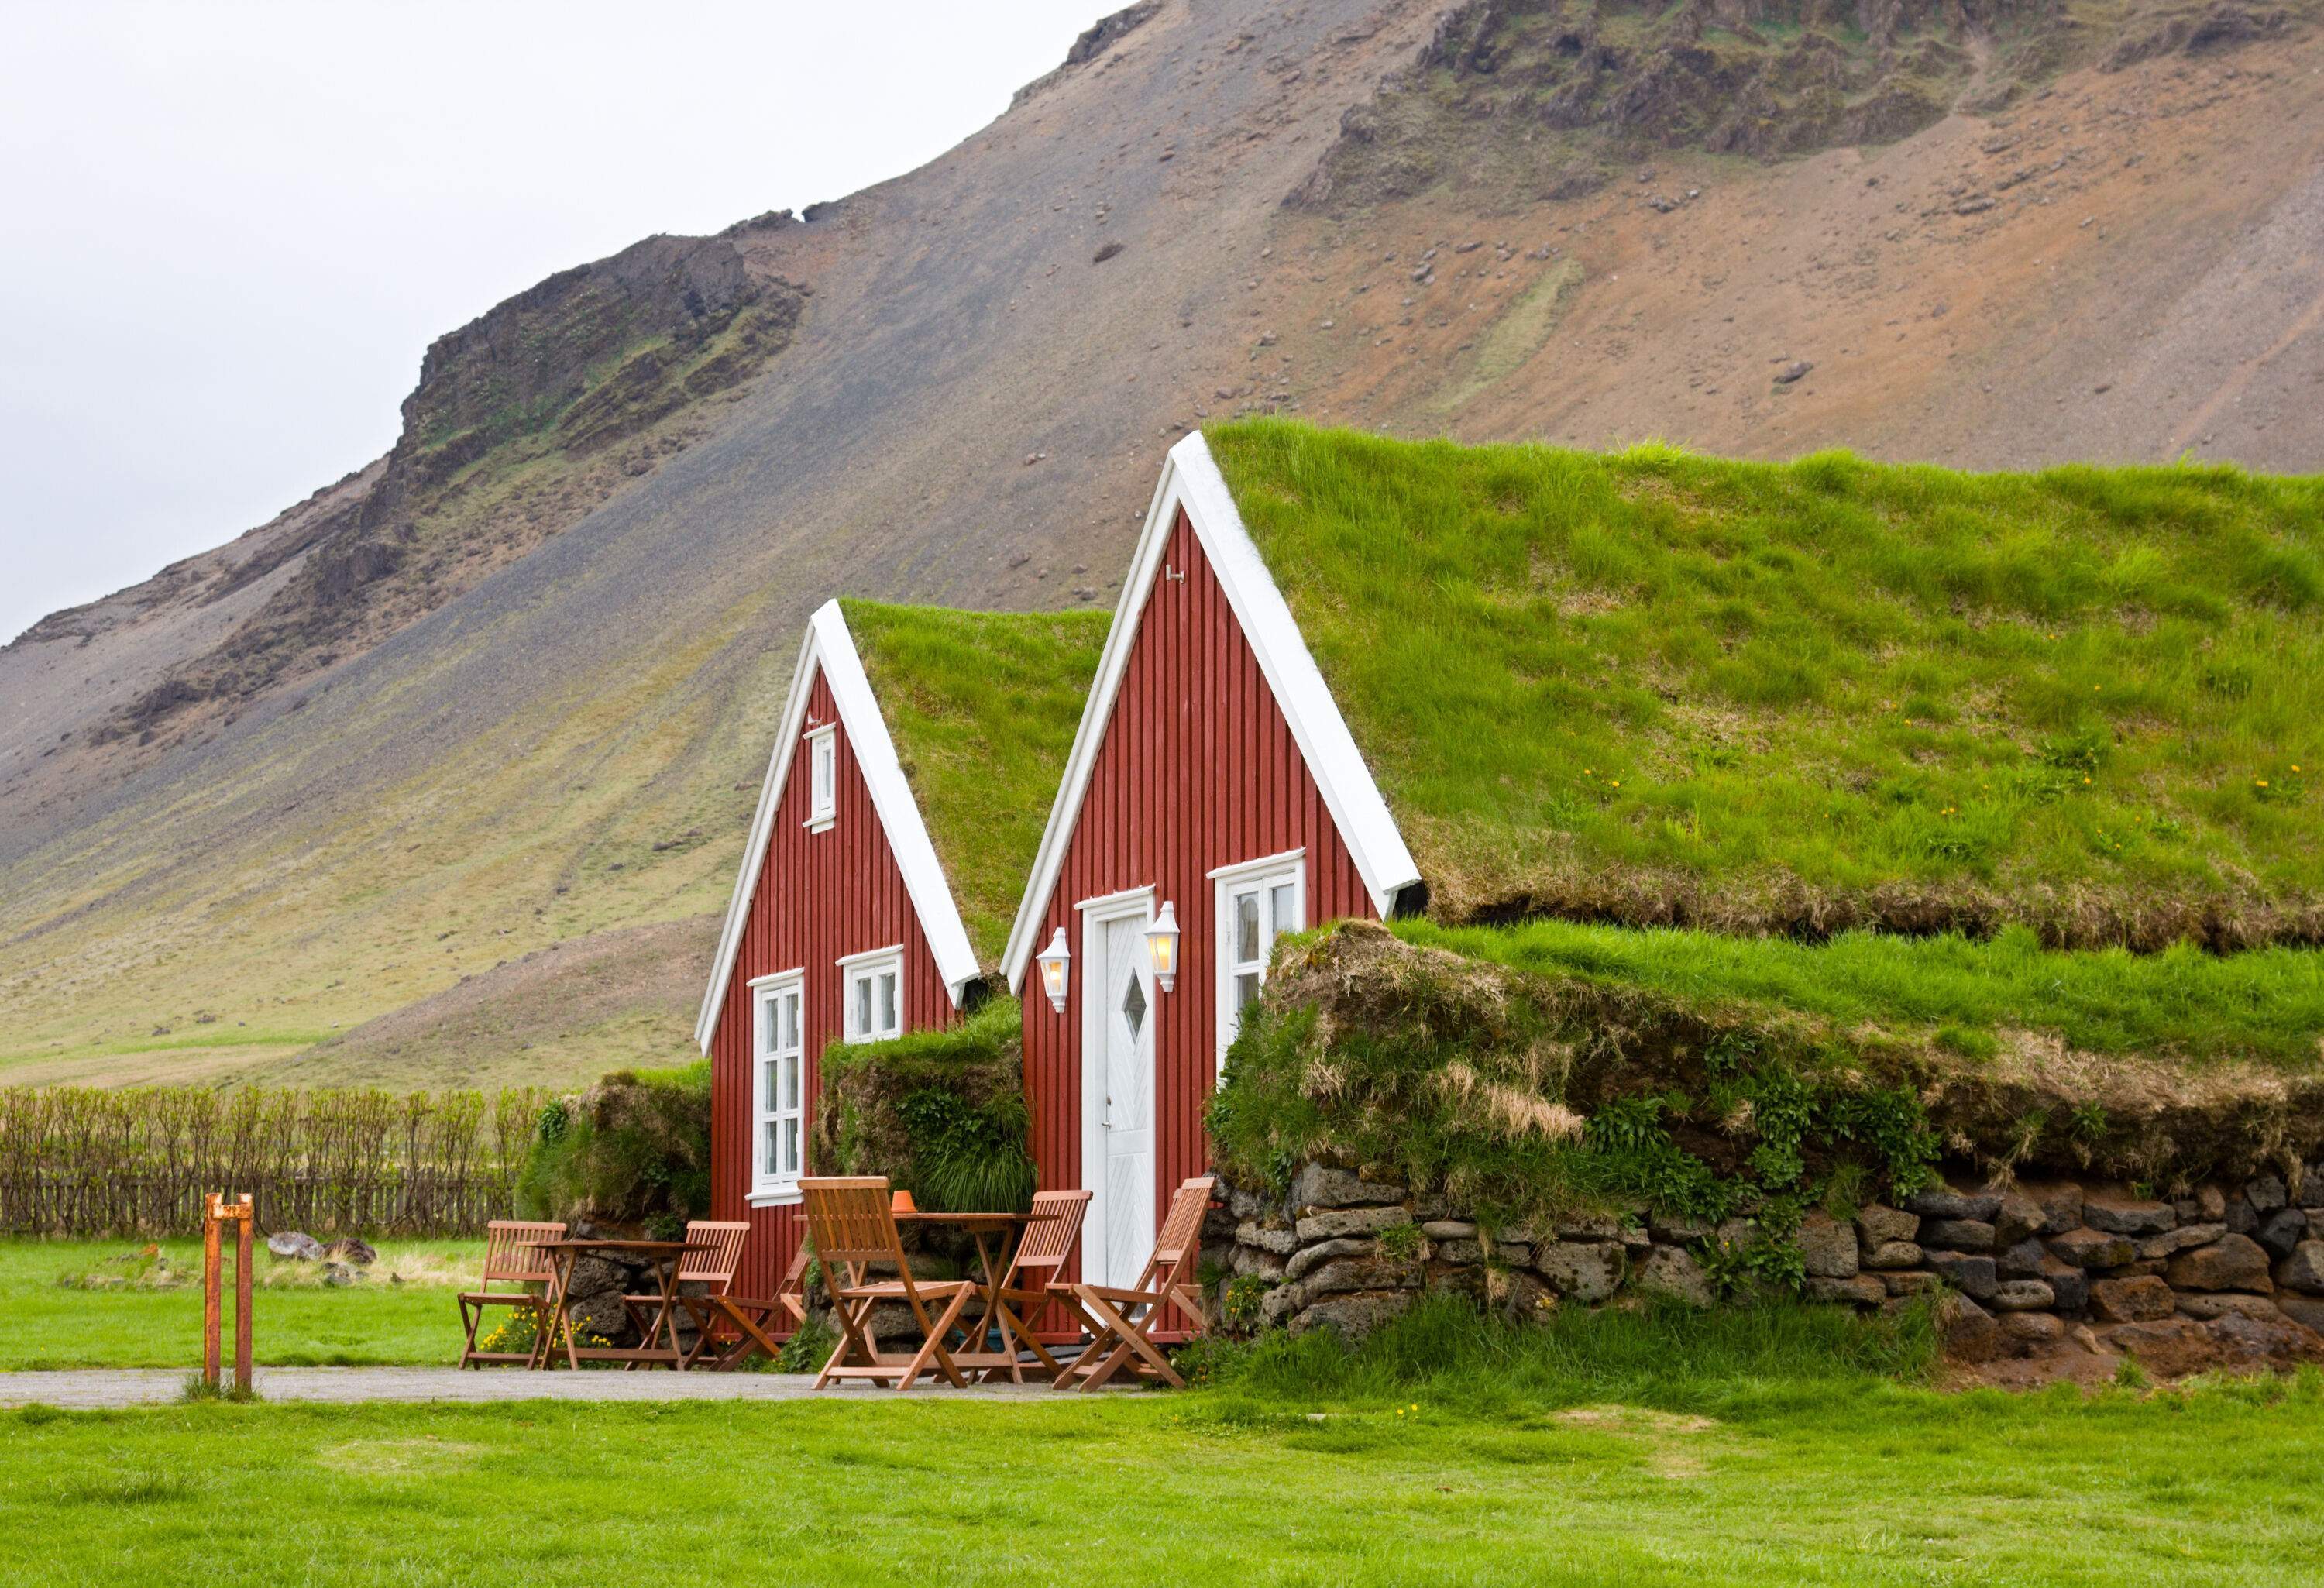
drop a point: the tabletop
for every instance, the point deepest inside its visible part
(972, 1221)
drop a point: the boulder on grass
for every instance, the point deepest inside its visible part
(295, 1245)
(352, 1249)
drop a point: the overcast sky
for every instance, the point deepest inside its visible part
(227, 231)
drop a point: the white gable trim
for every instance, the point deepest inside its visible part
(830, 647)
(1191, 479)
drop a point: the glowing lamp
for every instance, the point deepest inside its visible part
(1056, 960)
(1162, 944)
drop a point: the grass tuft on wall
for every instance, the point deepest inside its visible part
(940, 1112)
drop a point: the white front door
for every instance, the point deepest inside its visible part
(1124, 1076)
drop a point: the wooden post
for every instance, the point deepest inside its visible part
(217, 1211)
(210, 1289)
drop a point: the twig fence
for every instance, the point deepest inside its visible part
(137, 1160)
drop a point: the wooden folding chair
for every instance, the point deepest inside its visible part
(510, 1258)
(750, 1317)
(1126, 1317)
(1031, 1282)
(715, 1268)
(849, 1220)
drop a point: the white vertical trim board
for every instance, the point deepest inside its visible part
(1191, 479)
(828, 646)
(1132, 904)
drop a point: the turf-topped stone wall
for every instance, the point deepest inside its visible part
(2224, 1276)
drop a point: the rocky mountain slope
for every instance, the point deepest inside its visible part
(508, 688)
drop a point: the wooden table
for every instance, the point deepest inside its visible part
(666, 1257)
(995, 1234)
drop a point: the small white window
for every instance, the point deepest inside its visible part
(1257, 902)
(873, 986)
(779, 1069)
(822, 775)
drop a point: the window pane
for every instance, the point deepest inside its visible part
(789, 1007)
(1246, 991)
(766, 1088)
(769, 1147)
(790, 1147)
(1246, 909)
(1283, 914)
(788, 1095)
(862, 990)
(888, 1001)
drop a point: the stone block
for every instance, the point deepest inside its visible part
(2132, 1301)
(1319, 1185)
(1449, 1230)
(2020, 1218)
(1877, 1224)
(1969, 1332)
(1894, 1254)
(2308, 1311)
(2024, 1261)
(1250, 1259)
(1309, 1258)
(2169, 1346)
(2211, 1205)
(2195, 1304)
(1595, 1227)
(2178, 1240)
(2060, 1203)
(1282, 1242)
(2234, 1262)
(2092, 1249)
(1942, 1201)
(1676, 1231)
(1913, 1284)
(1584, 1271)
(2118, 1214)
(2266, 1193)
(2241, 1219)
(1864, 1291)
(2034, 1330)
(1670, 1270)
(1970, 1274)
(1336, 1222)
(2023, 1295)
(1958, 1234)
(1354, 1315)
(2069, 1284)
(2303, 1268)
(1279, 1304)
(2282, 1230)
(1508, 1253)
(1829, 1246)
(1361, 1273)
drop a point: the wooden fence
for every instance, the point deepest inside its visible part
(90, 1161)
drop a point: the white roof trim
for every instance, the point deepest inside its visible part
(829, 646)
(1191, 479)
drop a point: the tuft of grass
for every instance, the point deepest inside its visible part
(1651, 686)
(199, 1386)
(2267, 1005)
(982, 707)
(941, 1112)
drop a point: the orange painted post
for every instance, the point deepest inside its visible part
(210, 1299)
(242, 1298)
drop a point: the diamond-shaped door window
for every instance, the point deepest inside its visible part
(1133, 1006)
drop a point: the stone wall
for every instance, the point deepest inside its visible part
(2223, 1275)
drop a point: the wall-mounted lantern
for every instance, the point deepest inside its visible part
(1056, 960)
(1162, 944)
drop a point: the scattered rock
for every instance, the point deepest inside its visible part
(2132, 1301)
(1791, 372)
(2236, 1263)
(295, 1245)
(340, 1274)
(352, 1249)
(1107, 251)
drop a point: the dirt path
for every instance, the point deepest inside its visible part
(99, 1389)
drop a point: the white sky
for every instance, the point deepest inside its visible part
(227, 231)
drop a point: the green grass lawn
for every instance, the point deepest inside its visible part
(295, 1324)
(1651, 686)
(2183, 1004)
(1742, 1480)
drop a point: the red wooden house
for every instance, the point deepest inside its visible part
(1212, 790)
(882, 867)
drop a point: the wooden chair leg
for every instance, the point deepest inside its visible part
(1133, 1339)
(932, 1344)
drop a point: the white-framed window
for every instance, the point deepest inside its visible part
(1258, 901)
(873, 986)
(779, 1085)
(822, 777)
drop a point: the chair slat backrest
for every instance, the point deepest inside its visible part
(509, 1254)
(1180, 1244)
(850, 1220)
(1049, 1242)
(714, 1268)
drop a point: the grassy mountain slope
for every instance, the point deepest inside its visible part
(546, 719)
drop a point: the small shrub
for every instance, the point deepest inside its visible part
(808, 1348)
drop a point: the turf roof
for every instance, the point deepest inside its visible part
(1651, 687)
(982, 707)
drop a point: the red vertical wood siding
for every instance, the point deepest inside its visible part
(1196, 770)
(819, 898)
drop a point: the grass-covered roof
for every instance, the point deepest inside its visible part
(981, 706)
(1655, 688)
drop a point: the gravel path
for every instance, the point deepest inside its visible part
(98, 1387)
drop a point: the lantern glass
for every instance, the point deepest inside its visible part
(1162, 945)
(1056, 960)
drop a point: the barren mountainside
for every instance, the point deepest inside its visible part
(465, 742)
